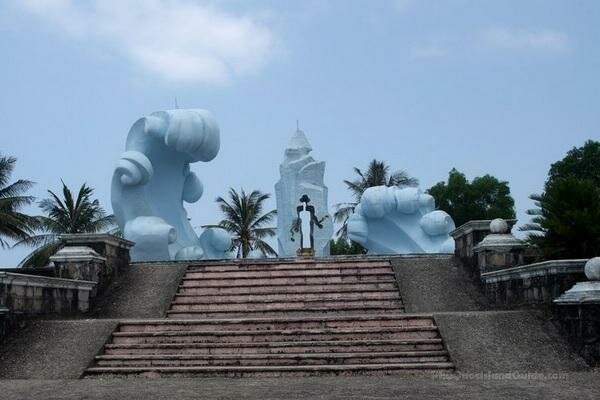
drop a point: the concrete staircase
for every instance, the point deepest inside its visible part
(284, 289)
(282, 318)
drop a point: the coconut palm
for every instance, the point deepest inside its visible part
(245, 221)
(14, 225)
(377, 174)
(69, 214)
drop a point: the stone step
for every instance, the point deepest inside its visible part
(309, 280)
(286, 312)
(196, 287)
(268, 305)
(398, 333)
(335, 346)
(172, 360)
(283, 296)
(268, 371)
(270, 266)
(282, 273)
(268, 324)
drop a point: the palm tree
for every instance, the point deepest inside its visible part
(377, 174)
(67, 215)
(14, 225)
(245, 221)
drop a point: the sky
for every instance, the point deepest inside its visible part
(488, 87)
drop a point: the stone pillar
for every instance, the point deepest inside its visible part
(81, 263)
(113, 248)
(578, 312)
(499, 249)
(468, 236)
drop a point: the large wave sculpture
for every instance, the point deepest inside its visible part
(392, 220)
(152, 179)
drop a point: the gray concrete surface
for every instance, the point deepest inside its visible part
(140, 291)
(436, 284)
(571, 386)
(53, 349)
(506, 341)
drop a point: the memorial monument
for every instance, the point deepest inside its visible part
(392, 220)
(304, 224)
(152, 179)
(301, 176)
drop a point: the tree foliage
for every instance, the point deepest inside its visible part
(342, 246)
(485, 197)
(566, 220)
(246, 222)
(14, 225)
(377, 174)
(580, 163)
(69, 214)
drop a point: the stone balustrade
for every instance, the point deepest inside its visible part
(532, 284)
(30, 294)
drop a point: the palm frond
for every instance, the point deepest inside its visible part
(40, 257)
(244, 220)
(14, 225)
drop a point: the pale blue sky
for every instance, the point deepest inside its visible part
(499, 87)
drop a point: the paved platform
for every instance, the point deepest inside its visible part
(579, 386)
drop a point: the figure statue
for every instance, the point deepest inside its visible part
(305, 225)
(153, 178)
(301, 175)
(392, 220)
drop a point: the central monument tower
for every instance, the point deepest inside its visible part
(301, 176)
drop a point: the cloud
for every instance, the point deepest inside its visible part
(449, 46)
(176, 40)
(520, 39)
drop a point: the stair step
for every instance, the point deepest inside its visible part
(420, 332)
(271, 359)
(267, 324)
(198, 287)
(274, 305)
(285, 297)
(286, 266)
(335, 346)
(297, 312)
(313, 279)
(301, 370)
(287, 273)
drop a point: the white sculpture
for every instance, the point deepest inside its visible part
(153, 179)
(301, 175)
(392, 220)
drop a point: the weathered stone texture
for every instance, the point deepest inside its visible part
(40, 295)
(533, 284)
(113, 249)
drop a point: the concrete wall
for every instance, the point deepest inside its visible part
(505, 341)
(580, 323)
(435, 283)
